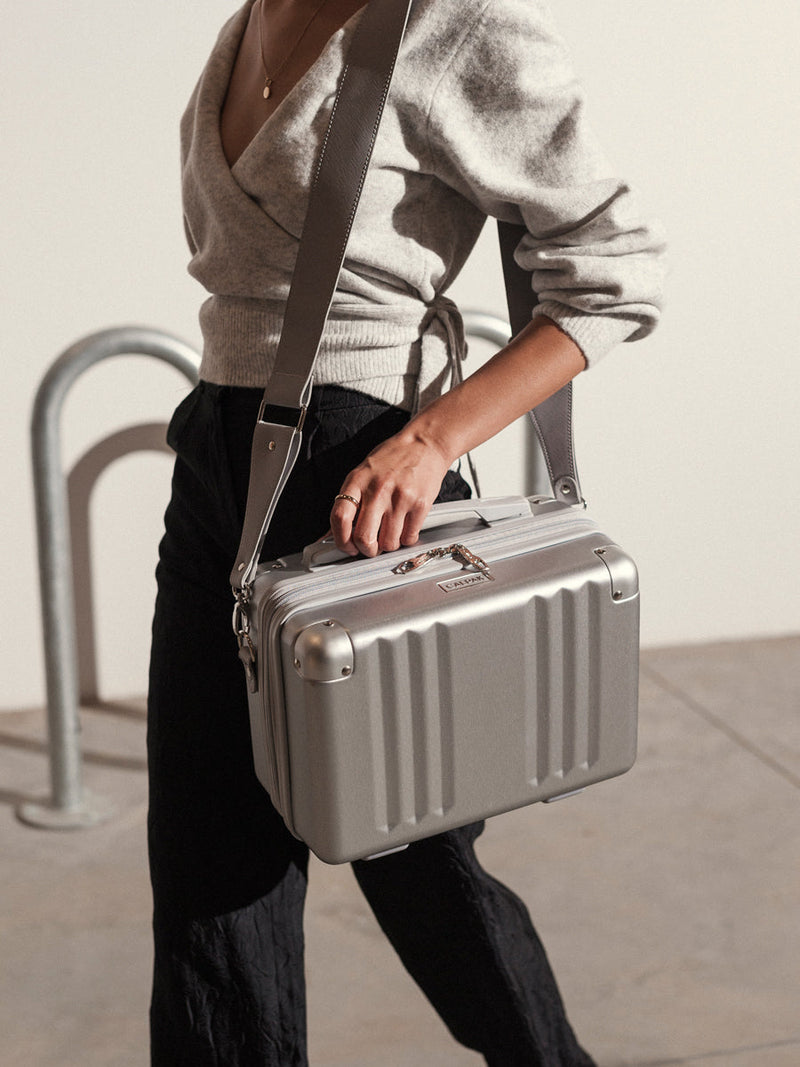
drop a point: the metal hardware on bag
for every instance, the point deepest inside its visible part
(567, 489)
(460, 553)
(247, 654)
(241, 629)
(239, 621)
(323, 652)
(278, 415)
(621, 570)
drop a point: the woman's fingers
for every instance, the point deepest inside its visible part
(379, 524)
(394, 487)
(413, 524)
(407, 510)
(346, 506)
(369, 523)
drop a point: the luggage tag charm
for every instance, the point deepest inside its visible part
(460, 553)
(247, 656)
(247, 652)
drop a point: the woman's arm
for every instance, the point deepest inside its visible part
(506, 130)
(400, 479)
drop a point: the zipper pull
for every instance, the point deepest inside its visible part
(414, 563)
(461, 554)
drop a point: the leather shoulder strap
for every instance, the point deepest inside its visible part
(333, 200)
(552, 419)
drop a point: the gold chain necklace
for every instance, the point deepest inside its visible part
(270, 78)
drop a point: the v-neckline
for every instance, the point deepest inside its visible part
(234, 45)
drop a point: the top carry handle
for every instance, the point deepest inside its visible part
(333, 200)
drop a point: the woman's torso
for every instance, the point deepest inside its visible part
(484, 117)
(246, 176)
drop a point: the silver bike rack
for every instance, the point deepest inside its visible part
(70, 805)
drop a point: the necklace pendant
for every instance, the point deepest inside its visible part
(267, 93)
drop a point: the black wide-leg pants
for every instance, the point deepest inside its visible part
(228, 879)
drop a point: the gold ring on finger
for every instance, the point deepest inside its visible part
(346, 496)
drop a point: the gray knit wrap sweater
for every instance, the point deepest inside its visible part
(484, 118)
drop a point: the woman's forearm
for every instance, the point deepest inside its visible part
(534, 365)
(384, 501)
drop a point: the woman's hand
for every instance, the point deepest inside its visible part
(395, 486)
(398, 481)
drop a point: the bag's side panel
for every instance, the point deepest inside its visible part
(263, 748)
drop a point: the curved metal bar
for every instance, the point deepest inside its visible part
(81, 482)
(486, 326)
(70, 805)
(497, 331)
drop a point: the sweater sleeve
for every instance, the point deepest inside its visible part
(507, 130)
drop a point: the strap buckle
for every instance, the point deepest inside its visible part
(280, 415)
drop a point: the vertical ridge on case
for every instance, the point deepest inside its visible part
(563, 674)
(400, 672)
(443, 654)
(555, 669)
(530, 692)
(421, 711)
(390, 716)
(581, 643)
(378, 748)
(540, 713)
(570, 659)
(414, 772)
(594, 716)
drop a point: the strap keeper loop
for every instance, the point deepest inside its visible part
(280, 415)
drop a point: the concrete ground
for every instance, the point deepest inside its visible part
(669, 899)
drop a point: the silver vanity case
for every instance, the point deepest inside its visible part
(392, 706)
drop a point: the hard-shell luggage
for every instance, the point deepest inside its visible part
(389, 710)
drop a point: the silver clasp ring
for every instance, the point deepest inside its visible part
(239, 621)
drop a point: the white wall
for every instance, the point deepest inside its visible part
(686, 441)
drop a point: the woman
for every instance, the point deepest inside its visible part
(483, 118)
